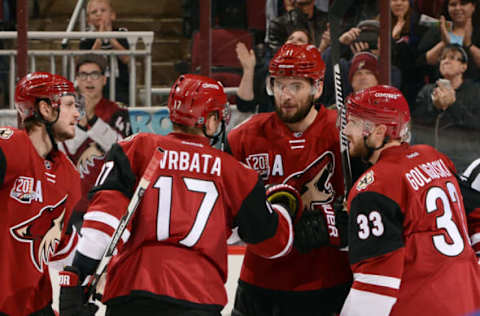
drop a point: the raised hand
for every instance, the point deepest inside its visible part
(246, 57)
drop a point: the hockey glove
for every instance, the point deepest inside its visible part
(310, 231)
(287, 196)
(72, 295)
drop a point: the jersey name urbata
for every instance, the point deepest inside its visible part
(408, 239)
(175, 248)
(310, 161)
(36, 199)
(87, 150)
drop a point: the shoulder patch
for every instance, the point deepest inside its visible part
(365, 181)
(6, 132)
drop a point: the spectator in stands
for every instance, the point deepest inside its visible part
(101, 17)
(363, 72)
(361, 10)
(465, 31)
(304, 15)
(446, 113)
(406, 33)
(105, 122)
(365, 49)
(251, 90)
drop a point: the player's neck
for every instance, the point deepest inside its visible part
(40, 140)
(302, 125)
(376, 154)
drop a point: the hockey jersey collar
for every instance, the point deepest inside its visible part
(191, 138)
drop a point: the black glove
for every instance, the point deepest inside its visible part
(287, 196)
(341, 220)
(310, 231)
(72, 295)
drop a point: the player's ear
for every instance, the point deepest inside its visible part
(317, 89)
(44, 109)
(380, 131)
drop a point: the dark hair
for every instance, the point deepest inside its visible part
(475, 15)
(99, 60)
(406, 26)
(457, 48)
(300, 29)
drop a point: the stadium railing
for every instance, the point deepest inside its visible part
(133, 38)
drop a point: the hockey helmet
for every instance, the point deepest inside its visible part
(291, 60)
(382, 105)
(193, 97)
(40, 85)
(298, 61)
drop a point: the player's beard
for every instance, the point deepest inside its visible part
(63, 133)
(299, 115)
(356, 148)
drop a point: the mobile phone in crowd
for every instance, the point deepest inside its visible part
(444, 83)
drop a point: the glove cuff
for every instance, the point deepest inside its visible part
(68, 277)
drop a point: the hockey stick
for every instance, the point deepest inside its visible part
(335, 15)
(132, 206)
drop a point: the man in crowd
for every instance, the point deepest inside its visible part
(105, 122)
(39, 187)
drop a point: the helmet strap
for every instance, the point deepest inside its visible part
(214, 138)
(370, 149)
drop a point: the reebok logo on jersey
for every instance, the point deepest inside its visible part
(25, 191)
(365, 181)
(42, 232)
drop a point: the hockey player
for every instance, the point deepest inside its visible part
(172, 259)
(299, 145)
(409, 247)
(38, 188)
(105, 122)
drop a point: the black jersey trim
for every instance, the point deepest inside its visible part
(392, 220)
(254, 220)
(121, 178)
(164, 298)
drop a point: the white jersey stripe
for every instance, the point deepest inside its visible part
(363, 303)
(107, 219)
(93, 243)
(283, 212)
(380, 280)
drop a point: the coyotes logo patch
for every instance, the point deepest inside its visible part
(313, 182)
(42, 232)
(365, 181)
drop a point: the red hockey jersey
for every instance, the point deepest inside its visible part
(408, 238)
(87, 150)
(310, 161)
(37, 197)
(177, 240)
